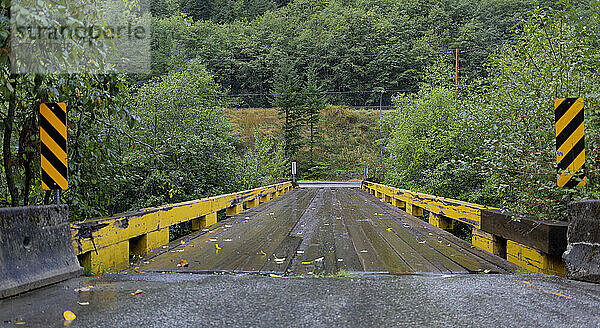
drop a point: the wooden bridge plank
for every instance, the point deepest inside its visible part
(284, 252)
(346, 254)
(418, 227)
(229, 235)
(323, 231)
(256, 251)
(410, 253)
(365, 251)
(318, 250)
(259, 252)
(393, 262)
(434, 257)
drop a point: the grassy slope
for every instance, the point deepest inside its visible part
(345, 139)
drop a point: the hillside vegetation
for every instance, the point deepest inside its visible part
(169, 135)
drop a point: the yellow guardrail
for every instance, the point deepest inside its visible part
(107, 243)
(414, 203)
(531, 250)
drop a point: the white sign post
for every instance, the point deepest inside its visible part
(294, 172)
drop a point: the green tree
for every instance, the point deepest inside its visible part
(314, 101)
(287, 97)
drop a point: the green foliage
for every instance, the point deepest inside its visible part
(514, 117)
(189, 149)
(425, 143)
(494, 142)
(263, 164)
(350, 45)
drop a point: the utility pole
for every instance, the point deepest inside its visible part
(380, 134)
(456, 66)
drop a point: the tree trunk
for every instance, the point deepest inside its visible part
(311, 140)
(6, 152)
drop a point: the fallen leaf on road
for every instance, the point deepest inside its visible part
(182, 242)
(526, 282)
(183, 263)
(137, 292)
(84, 289)
(69, 316)
(389, 229)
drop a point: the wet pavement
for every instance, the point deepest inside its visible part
(242, 300)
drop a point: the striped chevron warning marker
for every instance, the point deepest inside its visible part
(53, 133)
(570, 142)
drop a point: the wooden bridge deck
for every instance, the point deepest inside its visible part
(324, 231)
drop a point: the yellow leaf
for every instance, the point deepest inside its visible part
(137, 292)
(69, 316)
(217, 246)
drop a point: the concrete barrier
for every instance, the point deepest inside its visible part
(35, 248)
(582, 257)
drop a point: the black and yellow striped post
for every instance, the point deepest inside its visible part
(53, 134)
(570, 142)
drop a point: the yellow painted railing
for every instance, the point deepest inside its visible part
(483, 220)
(107, 243)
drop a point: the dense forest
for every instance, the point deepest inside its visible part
(200, 124)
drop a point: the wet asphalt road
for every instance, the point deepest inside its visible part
(195, 300)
